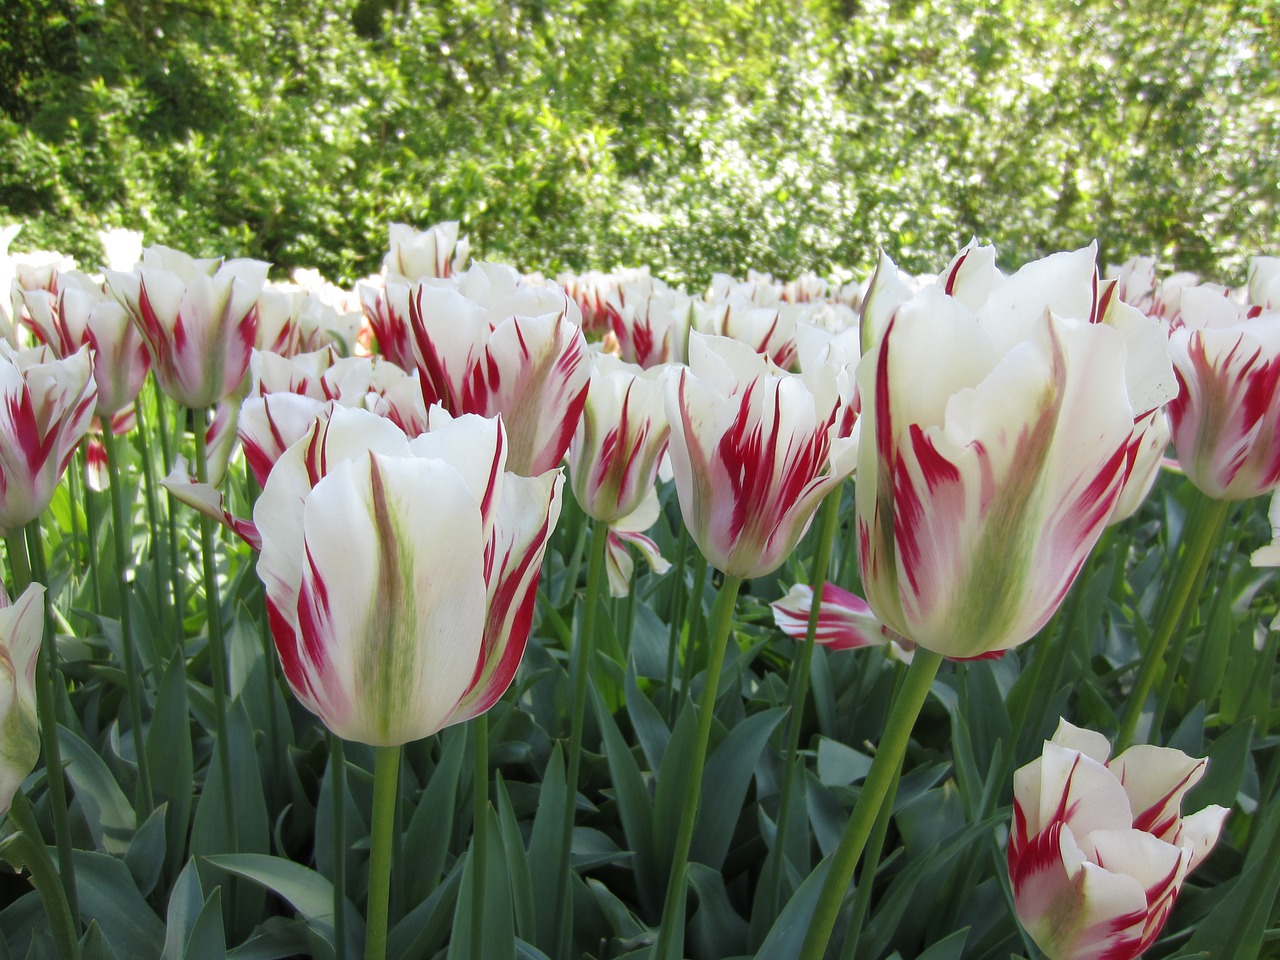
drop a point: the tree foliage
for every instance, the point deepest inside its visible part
(692, 137)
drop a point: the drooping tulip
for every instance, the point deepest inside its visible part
(400, 575)
(1099, 849)
(845, 620)
(198, 317)
(46, 406)
(21, 632)
(995, 448)
(754, 451)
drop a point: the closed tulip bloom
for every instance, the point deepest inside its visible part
(614, 457)
(400, 575)
(81, 314)
(1099, 849)
(46, 406)
(198, 317)
(754, 450)
(531, 365)
(21, 631)
(1226, 419)
(995, 448)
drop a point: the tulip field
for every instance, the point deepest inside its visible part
(472, 613)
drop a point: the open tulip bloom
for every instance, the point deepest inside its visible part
(1099, 849)
(996, 445)
(400, 575)
(754, 450)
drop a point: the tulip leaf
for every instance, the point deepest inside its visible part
(210, 835)
(110, 818)
(307, 891)
(429, 833)
(788, 931)
(107, 894)
(669, 797)
(94, 945)
(170, 757)
(1224, 776)
(635, 809)
(544, 840)
(650, 638)
(715, 928)
(145, 857)
(840, 765)
(421, 931)
(186, 900)
(651, 730)
(725, 779)
(948, 948)
(498, 933)
(207, 940)
(516, 864)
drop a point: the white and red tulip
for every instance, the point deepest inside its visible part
(81, 313)
(400, 575)
(46, 406)
(1226, 419)
(845, 620)
(1099, 849)
(21, 632)
(995, 449)
(532, 368)
(754, 450)
(198, 317)
(620, 440)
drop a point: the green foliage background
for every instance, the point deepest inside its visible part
(776, 135)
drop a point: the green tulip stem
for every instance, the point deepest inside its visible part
(870, 864)
(679, 598)
(153, 517)
(74, 475)
(46, 708)
(875, 795)
(693, 623)
(479, 833)
(1204, 527)
(579, 673)
(217, 646)
(828, 521)
(338, 782)
(122, 524)
(386, 774)
(670, 944)
(176, 581)
(27, 847)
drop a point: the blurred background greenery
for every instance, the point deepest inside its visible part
(782, 135)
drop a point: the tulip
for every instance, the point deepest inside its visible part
(80, 314)
(754, 451)
(46, 406)
(1226, 419)
(620, 440)
(1000, 443)
(418, 255)
(21, 631)
(530, 367)
(630, 530)
(400, 575)
(845, 620)
(198, 317)
(1099, 849)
